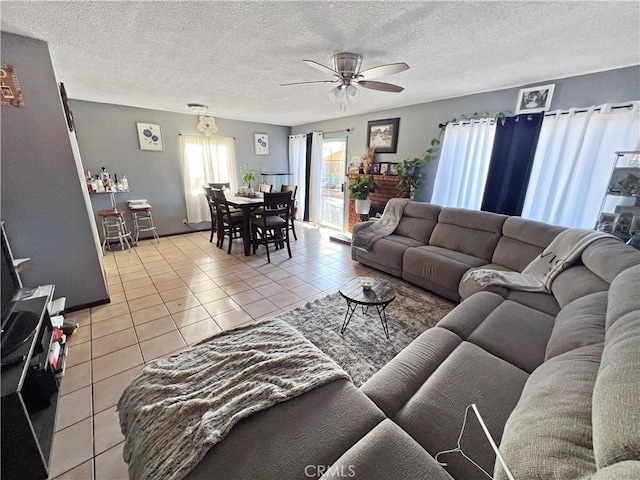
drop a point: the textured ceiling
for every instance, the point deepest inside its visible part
(233, 56)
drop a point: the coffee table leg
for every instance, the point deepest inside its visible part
(382, 313)
(351, 308)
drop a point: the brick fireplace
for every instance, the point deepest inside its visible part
(385, 191)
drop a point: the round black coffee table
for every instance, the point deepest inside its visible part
(379, 295)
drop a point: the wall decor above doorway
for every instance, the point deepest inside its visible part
(149, 136)
(383, 135)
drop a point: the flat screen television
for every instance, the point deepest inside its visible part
(10, 280)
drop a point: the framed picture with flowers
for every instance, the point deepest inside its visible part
(149, 136)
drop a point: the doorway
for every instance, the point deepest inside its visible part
(334, 165)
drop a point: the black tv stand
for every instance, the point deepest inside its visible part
(29, 392)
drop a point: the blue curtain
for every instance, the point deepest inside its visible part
(514, 148)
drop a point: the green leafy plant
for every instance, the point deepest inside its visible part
(409, 176)
(360, 187)
(248, 175)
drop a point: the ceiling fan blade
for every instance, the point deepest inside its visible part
(321, 67)
(383, 71)
(304, 83)
(385, 87)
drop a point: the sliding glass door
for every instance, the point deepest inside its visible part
(334, 164)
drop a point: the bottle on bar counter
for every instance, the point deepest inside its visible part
(105, 179)
(124, 182)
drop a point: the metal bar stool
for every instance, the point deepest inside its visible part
(142, 218)
(114, 228)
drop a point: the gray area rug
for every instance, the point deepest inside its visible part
(364, 349)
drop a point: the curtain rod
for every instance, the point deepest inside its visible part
(582, 110)
(201, 136)
(346, 130)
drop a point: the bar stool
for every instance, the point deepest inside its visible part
(142, 218)
(114, 228)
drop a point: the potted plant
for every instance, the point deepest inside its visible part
(409, 176)
(367, 159)
(359, 189)
(248, 176)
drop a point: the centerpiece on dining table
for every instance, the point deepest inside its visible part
(248, 176)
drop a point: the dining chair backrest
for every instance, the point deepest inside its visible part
(208, 193)
(277, 203)
(219, 186)
(290, 188)
(265, 188)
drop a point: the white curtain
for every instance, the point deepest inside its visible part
(298, 168)
(204, 160)
(315, 179)
(464, 163)
(574, 160)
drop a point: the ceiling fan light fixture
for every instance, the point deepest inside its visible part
(344, 94)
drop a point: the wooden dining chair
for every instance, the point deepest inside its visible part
(292, 212)
(271, 226)
(220, 186)
(265, 188)
(229, 223)
(208, 194)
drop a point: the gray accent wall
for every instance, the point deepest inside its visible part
(42, 198)
(107, 137)
(419, 123)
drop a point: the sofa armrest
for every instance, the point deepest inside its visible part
(356, 228)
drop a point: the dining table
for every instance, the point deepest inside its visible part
(247, 204)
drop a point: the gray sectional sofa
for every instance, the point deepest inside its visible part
(555, 376)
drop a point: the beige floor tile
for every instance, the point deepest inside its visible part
(325, 284)
(188, 271)
(116, 288)
(278, 274)
(182, 304)
(110, 465)
(73, 407)
(232, 318)
(283, 299)
(144, 302)
(106, 430)
(176, 293)
(161, 345)
(84, 471)
(292, 282)
(211, 295)
(75, 378)
(148, 314)
(217, 271)
(218, 307)
(236, 287)
(249, 296)
(135, 284)
(226, 279)
(106, 393)
(271, 289)
(117, 298)
(164, 277)
(113, 342)
(306, 291)
(104, 312)
(116, 362)
(72, 447)
(202, 286)
(78, 354)
(199, 331)
(111, 325)
(133, 269)
(139, 292)
(192, 315)
(81, 335)
(170, 285)
(130, 277)
(259, 308)
(155, 328)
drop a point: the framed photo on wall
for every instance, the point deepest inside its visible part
(393, 169)
(149, 136)
(383, 135)
(535, 99)
(375, 168)
(261, 143)
(384, 168)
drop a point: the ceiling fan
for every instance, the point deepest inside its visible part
(346, 69)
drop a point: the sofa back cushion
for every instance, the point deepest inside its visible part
(522, 241)
(616, 409)
(468, 231)
(418, 221)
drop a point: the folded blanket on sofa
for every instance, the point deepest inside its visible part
(178, 408)
(393, 210)
(538, 276)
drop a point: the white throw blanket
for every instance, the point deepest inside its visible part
(393, 210)
(563, 251)
(178, 408)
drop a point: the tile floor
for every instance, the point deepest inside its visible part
(164, 297)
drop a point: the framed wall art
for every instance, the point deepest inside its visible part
(383, 135)
(393, 169)
(384, 168)
(149, 136)
(261, 143)
(375, 168)
(535, 99)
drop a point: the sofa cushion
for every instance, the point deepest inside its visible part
(434, 415)
(466, 317)
(468, 231)
(523, 240)
(578, 324)
(548, 435)
(385, 452)
(628, 469)
(315, 428)
(438, 269)
(418, 221)
(616, 409)
(387, 253)
(575, 282)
